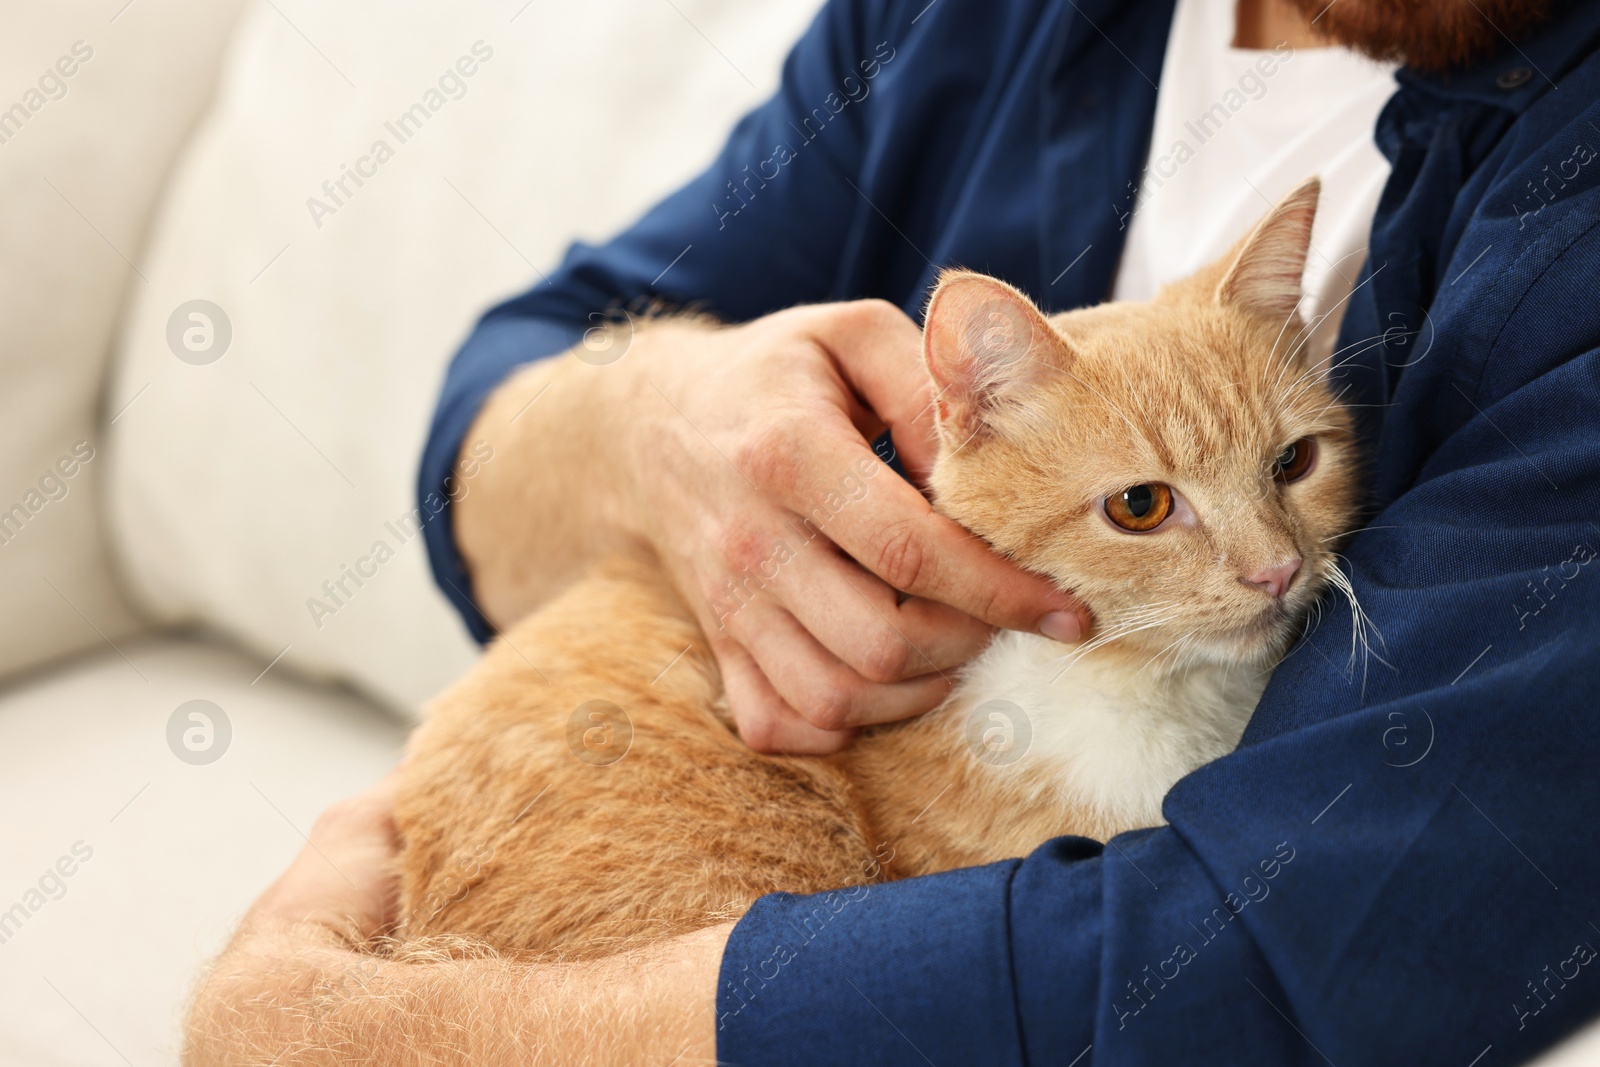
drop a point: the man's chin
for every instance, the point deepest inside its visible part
(1431, 35)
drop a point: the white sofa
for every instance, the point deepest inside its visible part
(174, 490)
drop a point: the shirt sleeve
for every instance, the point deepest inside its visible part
(761, 229)
(1398, 866)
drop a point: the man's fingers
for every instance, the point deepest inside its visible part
(812, 681)
(859, 619)
(362, 823)
(892, 531)
(345, 877)
(765, 722)
(878, 349)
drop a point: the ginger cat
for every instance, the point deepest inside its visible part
(1179, 463)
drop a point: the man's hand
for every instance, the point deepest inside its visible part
(343, 882)
(760, 492)
(299, 984)
(741, 456)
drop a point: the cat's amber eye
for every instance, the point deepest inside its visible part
(1295, 462)
(1140, 508)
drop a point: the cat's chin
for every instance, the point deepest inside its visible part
(1257, 644)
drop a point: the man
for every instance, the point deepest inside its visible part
(1399, 863)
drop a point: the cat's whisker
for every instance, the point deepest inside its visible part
(1305, 335)
(1385, 335)
(1324, 370)
(1325, 367)
(1156, 612)
(1352, 533)
(1312, 622)
(1306, 329)
(1070, 659)
(1177, 647)
(1191, 656)
(1296, 344)
(1317, 377)
(1323, 373)
(1361, 624)
(1158, 615)
(1333, 402)
(1299, 344)
(1153, 660)
(1145, 611)
(1354, 289)
(1317, 418)
(1115, 633)
(1293, 315)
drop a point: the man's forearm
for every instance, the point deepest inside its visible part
(549, 501)
(295, 996)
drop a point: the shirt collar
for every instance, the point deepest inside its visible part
(1519, 74)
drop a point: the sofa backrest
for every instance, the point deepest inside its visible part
(246, 480)
(95, 103)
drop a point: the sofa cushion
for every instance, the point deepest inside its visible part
(139, 835)
(367, 183)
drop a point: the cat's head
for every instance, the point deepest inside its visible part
(1182, 464)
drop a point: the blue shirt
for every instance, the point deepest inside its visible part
(1401, 863)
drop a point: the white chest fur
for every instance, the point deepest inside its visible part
(1097, 733)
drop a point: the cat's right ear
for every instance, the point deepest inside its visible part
(985, 344)
(1266, 265)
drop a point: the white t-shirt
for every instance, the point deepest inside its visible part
(1235, 130)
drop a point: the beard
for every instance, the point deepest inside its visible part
(1431, 35)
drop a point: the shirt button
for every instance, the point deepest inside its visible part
(1513, 78)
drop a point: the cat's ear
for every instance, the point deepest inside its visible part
(985, 344)
(1263, 277)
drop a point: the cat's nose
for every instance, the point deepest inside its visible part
(1274, 581)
